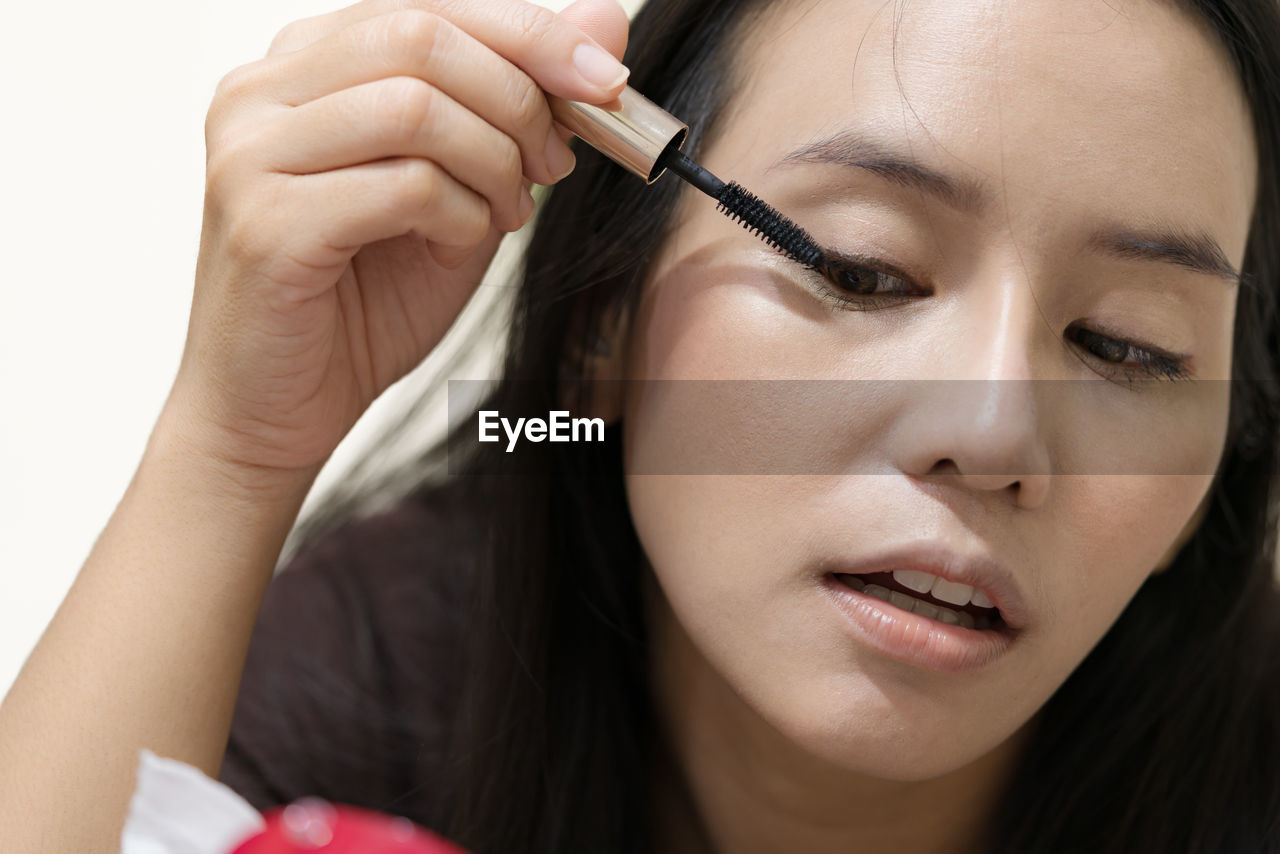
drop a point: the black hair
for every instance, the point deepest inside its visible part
(1162, 739)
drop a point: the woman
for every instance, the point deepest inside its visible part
(678, 662)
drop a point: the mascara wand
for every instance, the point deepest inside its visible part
(645, 140)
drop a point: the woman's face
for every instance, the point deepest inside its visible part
(1018, 164)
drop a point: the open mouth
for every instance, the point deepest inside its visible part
(883, 586)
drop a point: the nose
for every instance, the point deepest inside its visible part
(977, 419)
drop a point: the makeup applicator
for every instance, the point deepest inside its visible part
(645, 140)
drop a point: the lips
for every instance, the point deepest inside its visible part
(913, 638)
(976, 570)
(887, 581)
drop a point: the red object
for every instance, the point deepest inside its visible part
(312, 824)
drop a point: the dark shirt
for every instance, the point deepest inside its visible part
(352, 668)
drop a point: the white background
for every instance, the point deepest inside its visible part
(103, 164)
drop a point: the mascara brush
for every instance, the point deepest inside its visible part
(645, 140)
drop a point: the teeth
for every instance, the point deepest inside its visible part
(924, 609)
(920, 582)
(902, 600)
(940, 588)
(949, 591)
(877, 591)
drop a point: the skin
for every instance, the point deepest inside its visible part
(785, 731)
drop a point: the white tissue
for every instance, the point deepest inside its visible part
(177, 809)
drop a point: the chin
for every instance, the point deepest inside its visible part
(871, 737)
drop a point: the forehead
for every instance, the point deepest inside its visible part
(1127, 109)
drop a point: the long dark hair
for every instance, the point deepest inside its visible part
(1163, 739)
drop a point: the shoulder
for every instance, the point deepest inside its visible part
(353, 663)
(390, 570)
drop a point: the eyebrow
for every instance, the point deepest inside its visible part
(1190, 248)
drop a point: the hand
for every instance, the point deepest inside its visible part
(359, 180)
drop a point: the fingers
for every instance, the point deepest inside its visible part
(558, 55)
(605, 21)
(400, 116)
(419, 44)
(391, 116)
(381, 200)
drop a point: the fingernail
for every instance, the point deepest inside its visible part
(560, 159)
(526, 206)
(598, 67)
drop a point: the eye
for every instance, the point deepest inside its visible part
(1130, 360)
(861, 283)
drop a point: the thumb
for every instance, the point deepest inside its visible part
(604, 20)
(607, 23)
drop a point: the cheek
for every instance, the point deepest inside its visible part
(730, 314)
(1116, 538)
(730, 373)
(727, 554)
(707, 536)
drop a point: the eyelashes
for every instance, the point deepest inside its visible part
(1151, 361)
(853, 283)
